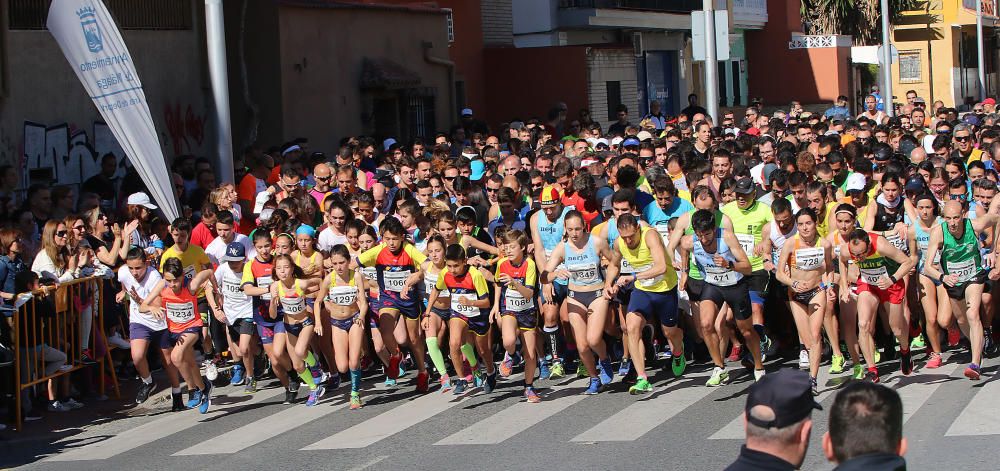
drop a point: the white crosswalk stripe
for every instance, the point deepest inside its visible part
(155, 430)
(638, 419)
(516, 418)
(915, 394)
(981, 416)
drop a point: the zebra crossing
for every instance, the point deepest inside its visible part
(243, 426)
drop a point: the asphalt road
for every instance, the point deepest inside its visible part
(682, 425)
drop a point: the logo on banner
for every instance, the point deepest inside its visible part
(91, 30)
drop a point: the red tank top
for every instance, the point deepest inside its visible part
(181, 309)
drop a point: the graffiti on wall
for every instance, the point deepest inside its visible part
(185, 129)
(65, 155)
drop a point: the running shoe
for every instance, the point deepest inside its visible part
(606, 371)
(251, 386)
(238, 377)
(206, 400)
(56, 406)
(460, 386)
(933, 360)
(678, 365)
(918, 343)
(402, 371)
(355, 400)
(393, 370)
(758, 374)
(389, 382)
(872, 375)
(507, 365)
(735, 353)
(320, 389)
(557, 370)
(73, 404)
(641, 386)
(766, 346)
(906, 362)
(878, 356)
(594, 388)
(293, 383)
(581, 370)
(334, 382)
(814, 386)
(543, 370)
(837, 364)
(719, 377)
(531, 396)
(858, 372)
(289, 396)
(445, 383)
(143, 393)
(195, 399)
(211, 371)
(972, 372)
(313, 398)
(624, 367)
(178, 402)
(491, 383)
(478, 378)
(665, 353)
(422, 379)
(803, 359)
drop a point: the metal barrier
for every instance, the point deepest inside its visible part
(47, 329)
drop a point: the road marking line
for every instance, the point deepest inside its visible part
(515, 419)
(644, 415)
(370, 463)
(981, 415)
(157, 429)
(263, 429)
(914, 395)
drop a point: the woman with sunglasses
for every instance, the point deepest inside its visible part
(11, 264)
(54, 261)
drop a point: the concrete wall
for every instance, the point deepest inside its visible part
(255, 105)
(321, 54)
(43, 89)
(534, 80)
(534, 16)
(611, 65)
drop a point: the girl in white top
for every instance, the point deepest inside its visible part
(236, 312)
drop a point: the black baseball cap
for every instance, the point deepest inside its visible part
(744, 186)
(788, 393)
(915, 183)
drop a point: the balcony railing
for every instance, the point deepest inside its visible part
(668, 6)
(989, 6)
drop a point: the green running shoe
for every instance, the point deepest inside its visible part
(918, 343)
(719, 377)
(878, 356)
(859, 372)
(678, 365)
(641, 386)
(557, 370)
(837, 364)
(581, 370)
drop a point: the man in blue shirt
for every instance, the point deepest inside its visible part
(838, 110)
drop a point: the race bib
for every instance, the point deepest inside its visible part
(719, 276)
(809, 259)
(265, 282)
(431, 283)
(293, 306)
(394, 280)
(342, 295)
(467, 311)
(180, 312)
(965, 270)
(514, 302)
(747, 243)
(584, 274)
(664, 230)
(898, 242)
(370, 273)
(872, 275)
(649, 282)
(626, 268)
(232, 290)
(189, 273)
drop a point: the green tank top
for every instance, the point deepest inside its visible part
(875, 265)
(748, 224)
(693, 272)
(961, 256)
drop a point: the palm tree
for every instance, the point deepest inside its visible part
(860, 19)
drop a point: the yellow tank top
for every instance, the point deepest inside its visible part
(642, 259)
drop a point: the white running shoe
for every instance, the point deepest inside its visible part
(804, 359)
(211, 371)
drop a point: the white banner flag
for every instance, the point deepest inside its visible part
(91, 42)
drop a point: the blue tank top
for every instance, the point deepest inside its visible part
(551, 234)
(714, 274)
(923, 239)
(584, 266)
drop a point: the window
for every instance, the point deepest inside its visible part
(614, 90)
(129, 14)
(909, 67)
(450, 20)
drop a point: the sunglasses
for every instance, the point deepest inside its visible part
(324, 179)
(957, 197)
(492, 190)
(79, 228)
(450, 178)
(962, 138)
(61, 233)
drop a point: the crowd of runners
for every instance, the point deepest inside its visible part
(545, 248)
